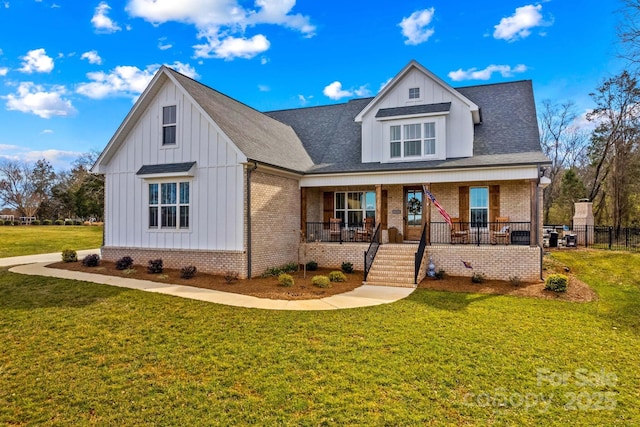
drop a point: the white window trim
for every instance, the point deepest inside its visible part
(488, 207)
(177, 228)
(418, 98)
(440, 144)
(162, 126)
(346, 209)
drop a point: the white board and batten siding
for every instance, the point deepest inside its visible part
(457, 124)
(216, 189)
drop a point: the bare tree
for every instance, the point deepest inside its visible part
(17, 188)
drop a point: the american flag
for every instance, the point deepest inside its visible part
(444, 213)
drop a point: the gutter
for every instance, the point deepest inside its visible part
(540, 185)
(249, 170)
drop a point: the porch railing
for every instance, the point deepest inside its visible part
(481, 233)
(370, 253)
(420, 253)
(339, 233)
(598, 237)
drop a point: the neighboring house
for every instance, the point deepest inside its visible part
(197, 178)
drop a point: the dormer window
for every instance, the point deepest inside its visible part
(414, 93)
(415, 140)
(169, 125)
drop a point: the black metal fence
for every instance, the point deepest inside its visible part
(370, 253)
(337, 232)
(598, 236)
(487, 233)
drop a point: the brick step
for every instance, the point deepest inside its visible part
(398, 285)
(393, 263)
(409, 257)
(390, 279)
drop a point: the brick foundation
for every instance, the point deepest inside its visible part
(332, 255)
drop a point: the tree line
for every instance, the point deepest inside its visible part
(602, 164)
(37, 190)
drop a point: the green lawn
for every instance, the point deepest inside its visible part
(42, 239)
(79, 353)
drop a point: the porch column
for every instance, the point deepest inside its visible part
(378, 204)
(303, 211)
(535, 232)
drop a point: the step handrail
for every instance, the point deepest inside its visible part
(370, 253)
(420, 254)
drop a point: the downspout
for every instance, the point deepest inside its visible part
(249, 170)
(537, 204)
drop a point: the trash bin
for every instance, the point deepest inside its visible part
(570, 240)
(553, 239)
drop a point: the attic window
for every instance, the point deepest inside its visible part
(169, 125)
(414, 93)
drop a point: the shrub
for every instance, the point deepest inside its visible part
(77, 222)
(439, 274)
(285, 279)
(124, 263)
(276, 271)
(477, 278)
(230, 277)
(69, 255)
(16, 223)
(347, 267)
(515, 281)
(91, 260)
(46, 222)
(8, 222)
(35, 222)
(155, 266)
(321, 281)
(59, 222)
(68, 222)
(312, 266)
(337, 276)
(556, 283)
(188, 272)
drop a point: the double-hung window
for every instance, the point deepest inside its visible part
(412, 140)
(479, 206)
(354, 206)
(169, 205)
(169, 125)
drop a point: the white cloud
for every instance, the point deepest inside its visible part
(46, 131)
(36, 61)
(32, 98)
(222, 23)
(3, 71)
(101, 22)
(304, 100)
(125, 80)
(335, 91)
(519, 25)
(415, 27)
(92, 56)
(59, 159)
(264, 88)
(475, 74)
(231, 47)
(162, 45)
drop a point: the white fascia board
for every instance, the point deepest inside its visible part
(412, 116)
(425, 176)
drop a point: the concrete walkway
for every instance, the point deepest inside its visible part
(364, 296)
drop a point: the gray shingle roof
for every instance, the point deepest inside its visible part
(414, 109)
(257, 135)
(165, 168)
(508, 133)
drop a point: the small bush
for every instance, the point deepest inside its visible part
(478, 278)
(556, 283)
(59, 222)
(46, 222)
(16, 223)
(321, 281)
(35, 222)
(515, 281)
(91, 260)
(312, 266)
(276, 271)
(124, 263)
(285, 279)
(188, 272)
(155, 266)
(69, 255)
(68, 222)
(8, 222)
(439, 274)
(77, 222)
(347, 267)
(337, 276)
(230, 277)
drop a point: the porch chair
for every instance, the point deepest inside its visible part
(501, 230)
(364, 234)
(459, 231)
(334, 229)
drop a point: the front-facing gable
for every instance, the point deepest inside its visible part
(417, 117)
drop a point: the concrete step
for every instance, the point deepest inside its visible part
(399, 285)
(390, 279)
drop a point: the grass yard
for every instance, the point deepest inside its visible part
(76, 353)
(42, 239)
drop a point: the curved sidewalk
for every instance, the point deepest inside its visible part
(363, 296)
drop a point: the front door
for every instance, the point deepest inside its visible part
(413, 218)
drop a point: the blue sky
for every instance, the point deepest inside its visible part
(71, 70)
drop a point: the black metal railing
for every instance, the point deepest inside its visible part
(420, 253)
(485, 233)
(338, 232)
(370, 253)
(598, 237)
